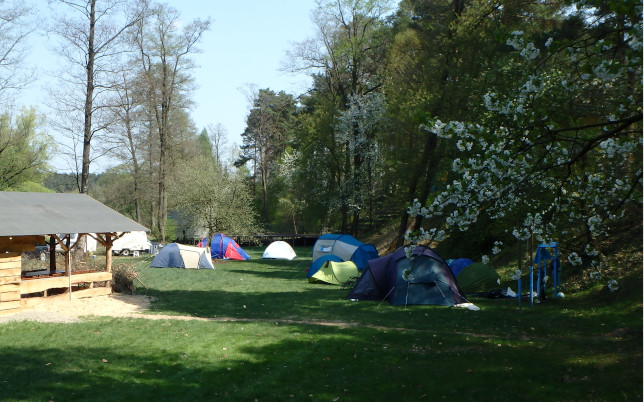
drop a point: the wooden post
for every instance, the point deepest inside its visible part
(108, 252)
(68, 265)
(52, 255)
(108, 256)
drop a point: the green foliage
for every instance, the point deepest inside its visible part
(24, 152)
(215, 200)
(63, 182)
(114, 188)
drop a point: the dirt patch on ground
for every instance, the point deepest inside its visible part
(69, 311)
(72, 310)
(135, 306)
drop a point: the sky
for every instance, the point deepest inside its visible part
(246, 46)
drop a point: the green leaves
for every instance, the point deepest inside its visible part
(24, 152)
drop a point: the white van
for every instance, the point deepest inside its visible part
(131, 243)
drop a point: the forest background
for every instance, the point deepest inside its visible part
(474, 126)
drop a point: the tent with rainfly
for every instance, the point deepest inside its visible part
(346, 247)
(177, 255)
(224, 248)
(422, 279)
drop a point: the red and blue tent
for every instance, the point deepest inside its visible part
(224, 248)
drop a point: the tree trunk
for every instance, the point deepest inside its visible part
(162, 200)
(89, 96)
(265, 194)
(414, 178)
(430, 173)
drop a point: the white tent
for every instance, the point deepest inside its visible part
(280, 250)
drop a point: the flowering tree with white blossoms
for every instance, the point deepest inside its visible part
(558, 151)
(356, 130)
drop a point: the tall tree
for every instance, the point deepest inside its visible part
(348, 46)
(165, 47)
(422, 80)
(347, 55)
(218, 138)
(268, 128)
(127, 137)
(357, 127)
(14, 32)
(91, 45)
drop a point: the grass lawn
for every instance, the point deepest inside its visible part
(272, 336)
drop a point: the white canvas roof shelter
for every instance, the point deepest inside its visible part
(27, 218)
(25, 214)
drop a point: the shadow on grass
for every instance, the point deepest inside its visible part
(303, 362)
(282, 273)
(308, 304)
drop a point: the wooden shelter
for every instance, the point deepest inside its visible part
(26, 218)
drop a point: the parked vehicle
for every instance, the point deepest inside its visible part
(131, 243)
(41, 252)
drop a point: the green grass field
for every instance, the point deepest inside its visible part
(269, 335)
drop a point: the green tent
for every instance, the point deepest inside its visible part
(478, 277)
(335, 272)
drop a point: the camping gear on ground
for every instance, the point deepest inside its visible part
(422, 279)
(458, 264)
(279, 250)
(478, 277)
(346, 247)
(177, 255)
(334, 272)
(224, 248)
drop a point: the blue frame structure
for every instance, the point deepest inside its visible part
(547, 256)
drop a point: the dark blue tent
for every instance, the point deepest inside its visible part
(422, 279)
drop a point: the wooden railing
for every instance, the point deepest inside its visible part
(81, 284)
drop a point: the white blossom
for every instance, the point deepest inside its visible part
(590, 251)
(530, 52)
(407, 274)
(574, 259)
(612, 285)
